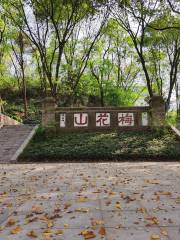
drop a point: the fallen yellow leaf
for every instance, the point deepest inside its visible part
(152, 181)
(88, 234)
(66, 225)
(37, 209)
(95, 222)
(112, 193)
(47, 233)
(50, 224)
(67, 205)
(82, 199)
(102, 231)
(152, 220)
(142, 210)
(29, 220)
(43, 218)
(9, 205)
(177, 200)
(118, 205)
(83, 210)
(163, 193)
(164, 232)
(155, 237)
(32, 234)
(16, 230)
(59, 232)
(11, 222)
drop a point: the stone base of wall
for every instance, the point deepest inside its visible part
(102, 130)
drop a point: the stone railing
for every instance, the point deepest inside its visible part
(103, 118)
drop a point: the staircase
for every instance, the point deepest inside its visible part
(12, 137)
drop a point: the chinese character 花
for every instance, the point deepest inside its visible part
(102, 119)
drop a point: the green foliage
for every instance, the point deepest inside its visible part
(103, 146)
(120, 97)
(14, 111)
(171, 118)
(119, 77)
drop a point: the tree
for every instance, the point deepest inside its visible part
(18, 47)
(174, 5)
(134, 18)
(101, 68)
(78, 52)
(137, 18)
(2, 35)
(164, 52)
(112, 65)
(178, 99)
(52, 25)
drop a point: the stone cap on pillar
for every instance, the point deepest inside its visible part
(48, 103)
(156, 99)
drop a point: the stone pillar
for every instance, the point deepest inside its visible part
(48, 112)
(157, 113)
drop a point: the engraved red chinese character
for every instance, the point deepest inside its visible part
(80, 119)
(126, 119)
(102, 119)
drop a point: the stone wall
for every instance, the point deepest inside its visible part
(5, 120)
(157, 111)
(86, 119)
(101, 119)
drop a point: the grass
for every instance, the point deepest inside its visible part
(103, 146)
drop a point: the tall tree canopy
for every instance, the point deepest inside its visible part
(115, 51)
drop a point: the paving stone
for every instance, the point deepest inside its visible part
(131, 201)
(118, 219)
(133, 233)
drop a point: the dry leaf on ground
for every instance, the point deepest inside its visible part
(11, 222)
(32, 234)
(59, 232)
(155, 237)
(16, 230)
(88, 234)
(102, 231)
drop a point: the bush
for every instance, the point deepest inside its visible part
(103, 146)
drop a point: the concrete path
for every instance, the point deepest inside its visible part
(11, 138)
(111, 201)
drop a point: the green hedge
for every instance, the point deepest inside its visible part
(99, 146)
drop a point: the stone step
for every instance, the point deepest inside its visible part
(11, 138)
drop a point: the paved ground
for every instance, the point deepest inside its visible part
(111, 201)
(11, 138)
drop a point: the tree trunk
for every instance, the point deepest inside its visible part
(25, 94)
